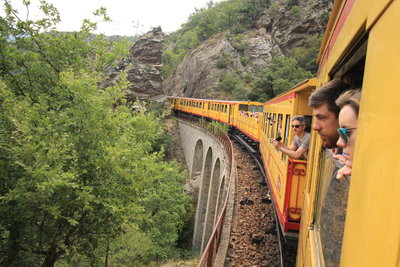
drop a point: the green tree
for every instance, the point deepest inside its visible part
(283, 73)
(306, 54)
(78, 168)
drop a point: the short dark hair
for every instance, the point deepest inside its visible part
(327, 94)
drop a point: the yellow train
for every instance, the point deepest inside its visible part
(262, 122)
(355, 222)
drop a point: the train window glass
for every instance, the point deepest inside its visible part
(286, 136)
(243, 107)
(253, 108)
(260, 108)
(331, 209)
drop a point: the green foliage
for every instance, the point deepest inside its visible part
(233, 84)
(244, 60)
(216, 126)
(273, 9)
(306, 54)
(295, 10)
(280, 76)
(224, 61)
(80, 172)
(237, 43)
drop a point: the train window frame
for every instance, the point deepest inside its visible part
(286, 134)
(267, 124)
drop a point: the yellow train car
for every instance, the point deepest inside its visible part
(249, 116)
(286, 176)
(173, 102)
(222, 111)
(355, 222)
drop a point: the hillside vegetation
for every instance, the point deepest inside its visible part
(234, 21)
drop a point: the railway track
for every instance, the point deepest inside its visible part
(256, 238)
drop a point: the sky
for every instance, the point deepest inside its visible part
(129, 17)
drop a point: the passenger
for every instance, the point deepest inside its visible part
(349, 104)
(326, 112)
(301, 141)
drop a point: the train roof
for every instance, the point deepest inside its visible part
(298, 87)
(208, 100)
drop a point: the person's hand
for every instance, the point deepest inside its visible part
(340, 158)
(342, 172)
(275, 143)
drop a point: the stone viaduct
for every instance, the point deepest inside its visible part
(210, 177)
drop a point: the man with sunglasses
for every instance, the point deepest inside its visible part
(301, 141)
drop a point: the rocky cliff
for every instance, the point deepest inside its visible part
(142, 67)
(279, 29)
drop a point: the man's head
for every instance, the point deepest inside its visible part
(298, 124)
(326, 111)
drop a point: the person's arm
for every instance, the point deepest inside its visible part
(296, 154)
(293, 151)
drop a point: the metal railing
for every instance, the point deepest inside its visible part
(210, 252)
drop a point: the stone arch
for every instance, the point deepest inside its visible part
(202, 201)
(220, 199)
(212, 202)
(197, 166)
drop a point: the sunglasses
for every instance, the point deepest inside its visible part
(296, 126)
(345, 134)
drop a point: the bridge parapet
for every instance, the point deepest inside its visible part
(209, 155)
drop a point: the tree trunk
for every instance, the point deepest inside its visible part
(51, 256)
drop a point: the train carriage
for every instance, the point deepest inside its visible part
(286, 176)
(249, 117)
(356, 222)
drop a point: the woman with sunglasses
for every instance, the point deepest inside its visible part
(301, 141)
(349, 104)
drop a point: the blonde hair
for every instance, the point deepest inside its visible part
(351, 98)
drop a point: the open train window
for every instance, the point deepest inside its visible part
(286, 136)
(330, 213)
(243, 107)
(272, 126)
(279, 126)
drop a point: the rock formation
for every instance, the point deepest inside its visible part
(276, 32)
(142, 67)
